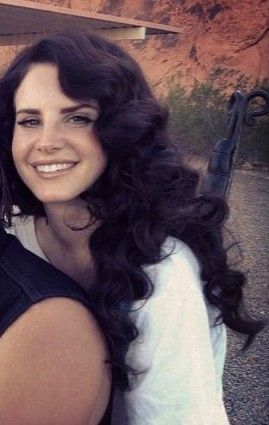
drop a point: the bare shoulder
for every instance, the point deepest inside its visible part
(52, 367)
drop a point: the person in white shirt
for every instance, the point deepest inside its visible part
(91, 185)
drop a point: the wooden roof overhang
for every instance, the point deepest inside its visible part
(22, 21)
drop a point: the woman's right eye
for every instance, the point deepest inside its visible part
(28, 122)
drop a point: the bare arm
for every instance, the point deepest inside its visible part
(52, 367)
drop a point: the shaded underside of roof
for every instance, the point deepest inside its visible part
(21, 20)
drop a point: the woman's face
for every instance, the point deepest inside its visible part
(55, 150)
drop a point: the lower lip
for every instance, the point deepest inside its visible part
(53, 174)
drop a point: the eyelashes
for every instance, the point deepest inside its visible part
(81, 119)
(76, 120)
(28, 122)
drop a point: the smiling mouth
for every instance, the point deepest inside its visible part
(51, 170)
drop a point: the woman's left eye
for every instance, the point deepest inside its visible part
(80, 119)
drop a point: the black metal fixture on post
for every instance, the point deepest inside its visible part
(220, 167)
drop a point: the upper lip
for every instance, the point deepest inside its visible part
(55, 161)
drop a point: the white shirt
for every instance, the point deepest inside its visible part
(178, 347)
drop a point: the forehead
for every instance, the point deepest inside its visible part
(40, 86)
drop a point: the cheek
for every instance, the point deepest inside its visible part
(14, 149)
(98, 154)
(102, 161)
(18, 150)
(102, 158)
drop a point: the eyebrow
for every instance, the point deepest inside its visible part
(63, 110)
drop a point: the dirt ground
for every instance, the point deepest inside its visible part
(246, 378)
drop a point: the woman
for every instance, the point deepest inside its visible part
(85, 159)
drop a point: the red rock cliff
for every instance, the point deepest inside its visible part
(221, 39)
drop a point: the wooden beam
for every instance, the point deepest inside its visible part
(21, 17)
(137, 33)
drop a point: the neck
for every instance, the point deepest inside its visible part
(66, 225)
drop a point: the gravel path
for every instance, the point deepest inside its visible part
(246, 377)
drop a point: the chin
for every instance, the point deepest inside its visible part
(55, 198)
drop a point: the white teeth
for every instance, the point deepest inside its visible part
(50, 168)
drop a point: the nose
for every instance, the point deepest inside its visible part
(50, 139)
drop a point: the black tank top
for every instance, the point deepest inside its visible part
(26, 279)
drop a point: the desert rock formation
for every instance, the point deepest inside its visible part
(226, 41)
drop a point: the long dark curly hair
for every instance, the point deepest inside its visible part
(144, 195)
